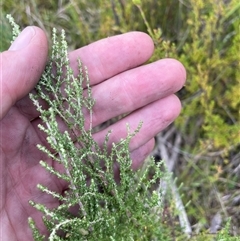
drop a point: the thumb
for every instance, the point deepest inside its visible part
(21, 67)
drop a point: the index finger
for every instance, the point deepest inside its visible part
(111, 56)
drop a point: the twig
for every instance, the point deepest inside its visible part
(170, 161)
(71, 184)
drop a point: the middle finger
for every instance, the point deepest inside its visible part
(135, 88)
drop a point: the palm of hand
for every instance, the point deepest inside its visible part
(21, 173)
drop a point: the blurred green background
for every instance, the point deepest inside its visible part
(205, 37)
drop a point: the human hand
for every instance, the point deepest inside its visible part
(118, 85)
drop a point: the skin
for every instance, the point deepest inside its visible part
(119, 86)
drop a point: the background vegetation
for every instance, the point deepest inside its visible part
(202, 146)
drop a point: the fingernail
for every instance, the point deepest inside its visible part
(23, 39)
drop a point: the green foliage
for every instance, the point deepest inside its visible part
(5, 34)
(224, 234)
(107, 210)
(210, 118)
(210, 68)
